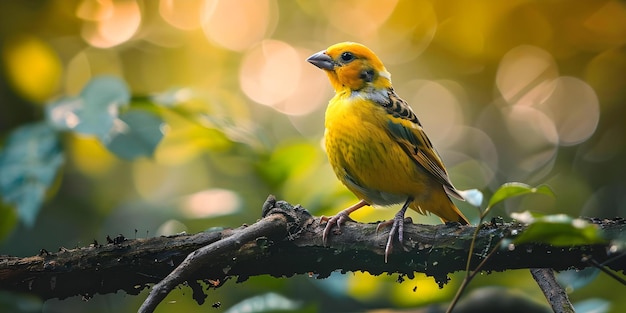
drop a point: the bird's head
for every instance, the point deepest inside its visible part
(352, 66)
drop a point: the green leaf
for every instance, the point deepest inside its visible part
(514, 189)
(557, 230)
(135, 134)
(94, 111)
(288, 160)
(29, 163)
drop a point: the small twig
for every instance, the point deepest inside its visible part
(555, 294)
(206, 254)
(601, 267)
(470, 275)
(467, 277)
(612, 259)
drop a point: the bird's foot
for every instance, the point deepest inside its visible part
(341, 218)
(397, 227)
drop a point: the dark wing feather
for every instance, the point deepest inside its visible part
(414, 141)
(398, 107)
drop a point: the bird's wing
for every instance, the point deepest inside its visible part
(398, 107)
(406, 129)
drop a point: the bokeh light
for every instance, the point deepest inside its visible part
(90, 156)
(184, 15)
(91, 10)
(437, 107)
(32, 67)
(273, 74)
(526, 75)
(171, 227)
(359, 19)
(237, 24)
(269, 73)
(109, 23)
(210, 203)
(573, 107)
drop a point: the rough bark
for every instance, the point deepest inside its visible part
(287, 241)
(555, 294)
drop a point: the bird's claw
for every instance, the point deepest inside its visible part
(397, 227)
(339, 219)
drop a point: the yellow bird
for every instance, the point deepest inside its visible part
(376, 145)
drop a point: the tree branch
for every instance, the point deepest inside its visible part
(555, 294)
(212, 253)
(286, 242)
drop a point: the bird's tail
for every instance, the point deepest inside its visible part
(440, 204)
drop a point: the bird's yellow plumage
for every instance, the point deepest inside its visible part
(375, 143)
(360, 151)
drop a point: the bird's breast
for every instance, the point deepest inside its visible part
(363, 154)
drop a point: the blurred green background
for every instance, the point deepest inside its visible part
(529, 91)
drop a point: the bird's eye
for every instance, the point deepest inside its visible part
(347, 56)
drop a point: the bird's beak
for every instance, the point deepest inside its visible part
(322, 60)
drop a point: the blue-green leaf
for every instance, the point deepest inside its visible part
(557, 230)
(135, 134)
(268, 302)
(593, 305)
(94, 111)
(29, 163)
(576, 279)
(65, 113)
(106, 92)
